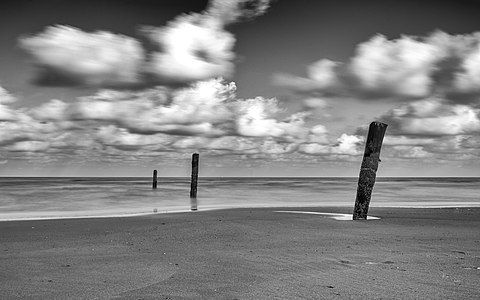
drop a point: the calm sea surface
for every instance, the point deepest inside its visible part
(48, 197)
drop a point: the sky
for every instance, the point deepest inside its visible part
(257, 87)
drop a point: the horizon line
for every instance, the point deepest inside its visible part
(188, 176)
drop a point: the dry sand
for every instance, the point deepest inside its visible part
(245, 254)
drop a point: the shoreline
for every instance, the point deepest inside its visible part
(211, 208)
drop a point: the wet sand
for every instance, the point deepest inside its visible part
(245, 254)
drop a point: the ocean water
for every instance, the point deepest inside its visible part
(70, 197)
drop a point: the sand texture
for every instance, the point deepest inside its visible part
(245, 254)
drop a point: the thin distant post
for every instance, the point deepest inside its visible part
(368, 170)
(154, 180)
(194, 181)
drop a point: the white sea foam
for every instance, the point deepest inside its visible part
(335, 216)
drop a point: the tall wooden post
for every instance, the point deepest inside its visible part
(368, 171)
(154, 180)
(194, 180)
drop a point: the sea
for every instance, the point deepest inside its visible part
(26, 198)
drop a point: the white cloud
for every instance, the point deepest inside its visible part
(29, 146)
(433, 117)
(315, 149)
(255, 117)
(200, 109)
(309, 86)
(206, 108)
(205, 116)
(54, 110)
(131, 120)
(324, 73)
(7, 114)
(318, 134)
(469, 79)
(193, 142)
(407, 68)
(346, 145)
(236, 145)
(402, 67)
(432, 128)
(194, 47)
(121, 138)
(68, 55)
(22, 127)
(272, 147)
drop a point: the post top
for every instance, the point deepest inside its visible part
(377, 123)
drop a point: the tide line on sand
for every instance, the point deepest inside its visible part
(335, 216)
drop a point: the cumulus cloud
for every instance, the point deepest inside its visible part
(206, 116)
(255, 118)
(234, 145)
(435, 77)
(468, 80)
(66, 55)
(54, 110)
(407, 68)
(121, 138)
(324, 77)
(205, 108)
(400, 67)
(196, 110)
(433, 117)
(193, 47)
(431, 128)
(29, 146)
(190, 48)
(22, 127)
(30, 130)
(346, 145)
(315, 149)
(439, 148)
(196, 46)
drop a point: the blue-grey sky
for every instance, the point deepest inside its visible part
(258, 87)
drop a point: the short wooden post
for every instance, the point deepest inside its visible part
(368, 170)
(194, 180)
(154, 180)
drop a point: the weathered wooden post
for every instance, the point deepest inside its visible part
(368, 170)
(154, 181)
(194, 180)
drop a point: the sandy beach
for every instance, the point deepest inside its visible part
(245, 254)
